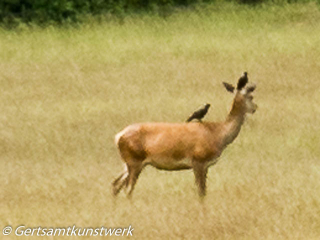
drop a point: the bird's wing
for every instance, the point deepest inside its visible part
(242, 82)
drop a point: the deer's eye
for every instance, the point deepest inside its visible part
(250, 97)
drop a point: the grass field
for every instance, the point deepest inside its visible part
(65, 93)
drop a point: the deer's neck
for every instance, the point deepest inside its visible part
(233, 123)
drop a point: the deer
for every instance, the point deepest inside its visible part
(181, 146)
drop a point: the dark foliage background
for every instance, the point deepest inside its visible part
(60, 11)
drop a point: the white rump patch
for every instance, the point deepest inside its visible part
(118, 136)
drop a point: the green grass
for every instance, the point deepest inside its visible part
(65, 93)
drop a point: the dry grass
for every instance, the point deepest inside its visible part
(66, 92)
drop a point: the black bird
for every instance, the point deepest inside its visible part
(243, 80)
(199, 114)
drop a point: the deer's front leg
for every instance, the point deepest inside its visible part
(200, 172)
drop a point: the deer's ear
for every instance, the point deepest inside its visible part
(229, 87)
(251, 88)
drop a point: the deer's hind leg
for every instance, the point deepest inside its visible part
(134, 172)
(120, 181)
(133, 154)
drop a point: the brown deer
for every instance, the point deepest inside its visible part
(180, 146)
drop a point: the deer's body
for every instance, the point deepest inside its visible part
(179, 146)
(172, 145)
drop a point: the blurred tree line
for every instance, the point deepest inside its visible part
(59, 11)
(42, 11)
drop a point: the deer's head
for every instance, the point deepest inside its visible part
(243, 100)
